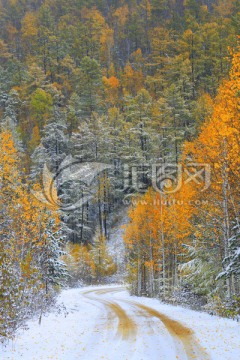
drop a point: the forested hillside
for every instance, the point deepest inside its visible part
(127, 86)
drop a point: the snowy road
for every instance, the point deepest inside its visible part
(106, 323)
(148, 328)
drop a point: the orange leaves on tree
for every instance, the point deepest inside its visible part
(29, 26)
(132, 80)
(218, 145)
(27, 217)
(111, 86)
(121, 15)
(159, 225)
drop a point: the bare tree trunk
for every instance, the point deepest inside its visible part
(139, 275)
(151, 280)
(226, 225)
(163, 275)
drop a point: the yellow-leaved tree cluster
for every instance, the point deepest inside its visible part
(159, 225)
(194, 242)
(30, 247)
(89, 263)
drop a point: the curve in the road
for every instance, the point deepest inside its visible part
(127, 328)
(176, 329)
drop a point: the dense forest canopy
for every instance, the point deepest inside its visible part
(128, 83)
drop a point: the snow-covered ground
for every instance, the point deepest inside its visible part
(116, 248)
(106, 323)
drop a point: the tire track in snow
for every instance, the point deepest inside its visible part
(176, 329)
(127, 328)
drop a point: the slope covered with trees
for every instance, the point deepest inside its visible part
(128, 84)
(191, 238)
